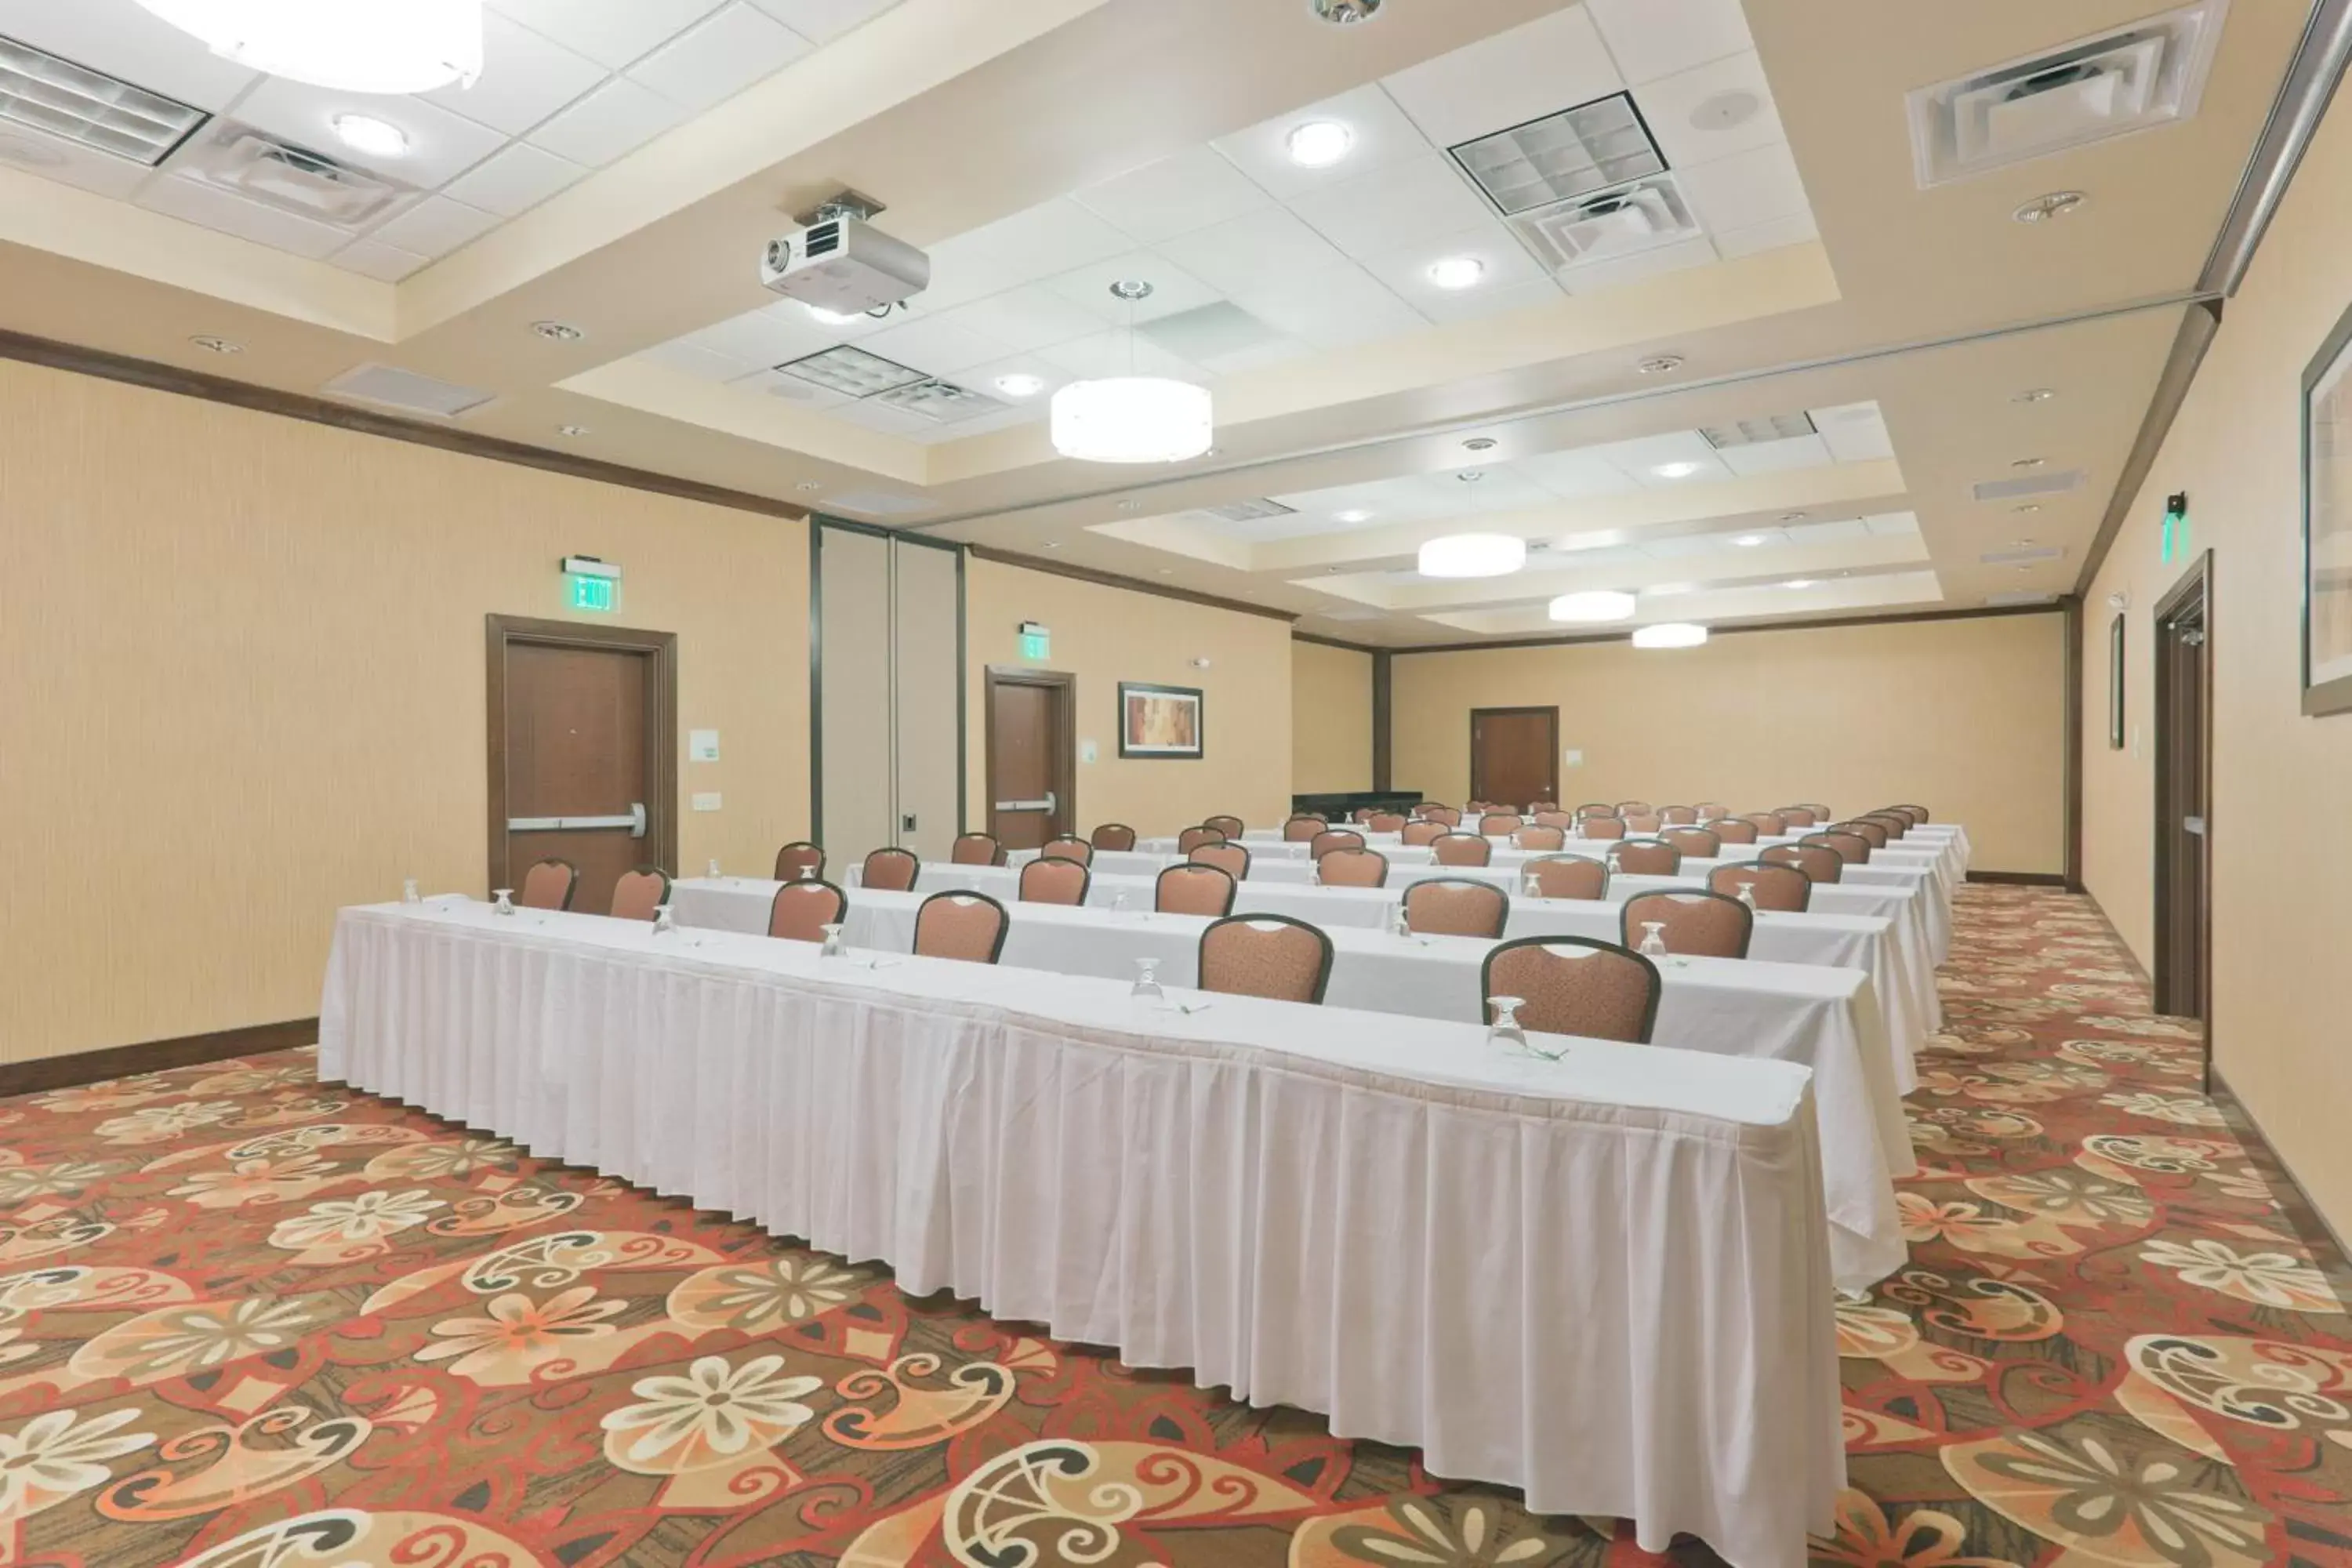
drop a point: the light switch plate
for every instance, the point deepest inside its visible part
(706, 802)
(1087, 752)
(702, 745)
(1572, 758)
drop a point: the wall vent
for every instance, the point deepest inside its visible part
(289, 178)
(1756, 432)
(1561, 156)
(2026, 485)
(1248, 511)
(2148, 74)
(2020, 557)
(1638, 217)
(389, 387)
(50, 93)
(941, 402)
(851, 372)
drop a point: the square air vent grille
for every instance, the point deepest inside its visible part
(852, 372)
(52, 94)
(2144, 75)
(2029, 485)
(1623, 222)
(1248, 511)
(2021, 557)
(289, 178)
(1562, 156)
(1756, 432)
(392, 387)
(941, 402)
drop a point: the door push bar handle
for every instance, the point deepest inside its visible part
(2193, 824)
(635, 822)
(1044, 804)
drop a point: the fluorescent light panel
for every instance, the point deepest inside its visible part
(56, 96)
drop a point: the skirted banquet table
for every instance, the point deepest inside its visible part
(1604, 1279)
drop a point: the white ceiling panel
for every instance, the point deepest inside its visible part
(1576, 475)
(1119, 353)
(1771, 235)
(70, 162)
(1651, 38)
(525, 77)
(379, 260)
(436, 226)
(1405, 268)
(1615, 272)
(1552, 63)
(820, 21)
(1364, 216)
(793, 390)
(1048, 239)
(1476, 304)
(1252, 250)
(984, 377)
(1839, 531)
(616, 119)
(1176, 196)
(719, 56)
(614, 33)
(1893, 524)
(178, 196)
(764, 337)
(1746, 189)
(127, 40)
(1640, 459)
(1471, 491)
(691, 359)
(936, 345)
(1855, 432)
(1380, 134)
(1031, 317)
(441, 145)
(1173, 290)
(870, 414)
(1330, 308)
(1777, 456)
(514, 181)
(1669, 104)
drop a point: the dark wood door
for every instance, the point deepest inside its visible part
(576, 763)
(1515, 755)
(2183, 779)
(1031, 759)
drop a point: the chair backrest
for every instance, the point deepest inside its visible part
(1569, 877)
(1332, 838)
(1711, 811)
(1361, 816)
(1774, 885)
(799, 861)
(1426, 831)
(969, 926)
(1537, 807)
(1231, 858)
(1190, 890)
(1817, 862)
(1634, 808)
(639, 893)
(1872, 832)
(803, 909)
(1114, 835)
(1798, 815)
(1576, 985)
(1456, 906)
(1768, 824)
(890, 871)
(1274, 956)
(1445, 814)
(549, 885)
(1678, 815)
(1894, 822)
(1821, 813)
(1353, 869)
(1231, 826)
(1697, 843)
(1192, 839)
(1069, 847)
(1054, 881)
(977, 849)
(1539, 836)
(1647, 858)
(1602, 827)
(1643, 822)
(1301, 828)
(1733, 830)
(1700, 924)
(1385, 822)
(1595, 808)
(1851, 848)
(1499, 823)
(1461, 849)
(1555, 817)
(1917, 814)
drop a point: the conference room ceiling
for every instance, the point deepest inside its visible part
(1852, 351)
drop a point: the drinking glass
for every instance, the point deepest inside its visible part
(1403, 926)
(1119, 903)
(1314, 872)
(408, 894)
(1747, 895)
(832, 948)
(714, 868)
(505, 901)
(1146, 982)
(1534, 888)
(1504, 1031)
(1654, 941)
(663, 923)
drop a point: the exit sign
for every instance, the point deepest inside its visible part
(1036, 641)
(2176, 526)
(592, 585)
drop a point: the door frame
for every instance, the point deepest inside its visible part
(1551, 750)
(1065, 685)
(2196, 583)
(660, 650)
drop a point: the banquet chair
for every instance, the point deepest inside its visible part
(1422, 809)
(1555, 817)
(1733, 830)
(1425, 832)
(1698, 924)
(969, 926)
(1385, 822)
(1301, 828)
(1678, 815)
(1710, 811)
(1114, 835)
(1498, 824)
(1539, 836)
(1774, 886)
(1461, 849)
(1537, 807)
(1353, 869)
(1273, 956)
(799, 861)
(977, 849)
(1576, 985)
(1647, 858)
(1798, 815)
(1817, 862)
(1634, 808)
(1595, 808)
(1568, 876)
(1917, 814)
(1456, 906)
(1821, 813)
(1767, 823)
(549, 885)
(1871, 832)
(1646, 822)
(1602, 827)
(1446, 814)
(1192, 839)
(802, 910)
(1067, 846)
(1231, 826)
(1897, 825)
(1332, 838)
(1233, 859)
(1190, 890)
(639, 893)
(1361, 816)
(1852, 847)
(1044, 881)
(890, 871)
(1697, 843)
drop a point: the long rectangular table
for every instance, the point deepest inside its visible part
(1604, 1280)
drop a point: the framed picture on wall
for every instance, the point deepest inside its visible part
(2327, 524)
(1159, 721)
(2116, 683)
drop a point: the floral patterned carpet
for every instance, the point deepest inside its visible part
(249, 1320)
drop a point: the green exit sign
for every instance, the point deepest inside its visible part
(592, 585)
(2176, 526)
(1036, 641)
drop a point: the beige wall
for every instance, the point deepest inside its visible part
(2281, 864)
(1105, 635)
(241, 670)
(1332, 719)
(1965, 717)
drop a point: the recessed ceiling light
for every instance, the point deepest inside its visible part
(558, 331)
(366, 133)
(1749, 540)
(1659, 364)
(1356, 514)
(833, 318)
(1798, 583)
(1792, 517)
(212, 345)
(1021, 385)
(2034, 395)
(1724, 109)
(1168, 570)
(1346, 12)
(2019, 543)
(1320, 143)
(1053, 544)
(2029, 506)
(1479, 444)
(571, 429)
(1130, 506)
(1670, 634)
(1471, 476)
(2028, 462)
(1473, 555)
(1600, 605)
(808, 485)
(1457, 272)
(2057, 203)
(1676, 470)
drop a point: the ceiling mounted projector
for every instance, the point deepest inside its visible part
(844, 265)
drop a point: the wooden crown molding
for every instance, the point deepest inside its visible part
(1113, 580)
(1983, 613)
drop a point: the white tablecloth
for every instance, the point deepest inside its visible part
(1604, 1280)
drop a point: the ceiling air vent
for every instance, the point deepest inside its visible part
(1572, 154)
(289, 178)
(1248, 511)
(1756, 432)
(2148, 74)
(389, 387)
(2021, 557)
(74, 103)
(1639, 217)
(941, 402)
(2027, 485)
(852, 372)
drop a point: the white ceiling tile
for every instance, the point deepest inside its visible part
(1256, 356)
(870, 414)
(822, 20)
(376, 260)
(1031, 317)
(513, 181)
(1841, 532)
(764, 337)
(1405, 268)
(720, 56)
(1253, 249)
(1777, 456)
(70, 162)
(692, 359)
(1382, 133)
(1499, 488)
(1364, 216)
(1640, 459)
(1003, 419)
(614, 33)
(1856, 432)
(1668, 104)
(1552, 63)
(1771, 236)
(1746, 189)
(616, 119)
(936, 345)
(524, 79)
(1575, 475)
(1173, 290)
(1330, 308)
(441, 145)
(1049, 238)
(1651, 38)
(791, 389)
(983, 378)
(1175, 195)
(181, 198)
(436, 226)
(1893, 524)
(1591, 277)
(1476, 304)
(1118, 353)
(127, 40)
